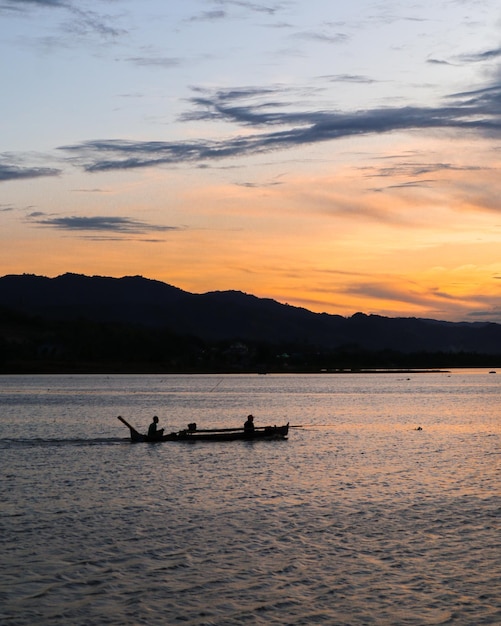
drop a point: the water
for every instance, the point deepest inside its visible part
(357, 519)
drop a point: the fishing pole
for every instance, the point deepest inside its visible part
(216, 385)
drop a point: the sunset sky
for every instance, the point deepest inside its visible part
(339, 156)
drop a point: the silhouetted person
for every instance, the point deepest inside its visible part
(249, 425)
(153, 431)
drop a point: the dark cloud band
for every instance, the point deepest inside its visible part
(278, 128)
(101, 224)
(14, 172)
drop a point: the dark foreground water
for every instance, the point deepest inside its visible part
(357, 519)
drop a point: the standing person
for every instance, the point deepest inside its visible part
(153, 431)
(249, 425)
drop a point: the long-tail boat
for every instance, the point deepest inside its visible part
(192, 434)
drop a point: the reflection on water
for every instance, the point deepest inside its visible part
(358, 518)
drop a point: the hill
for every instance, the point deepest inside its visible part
(138, 311)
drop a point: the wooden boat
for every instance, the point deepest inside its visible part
(192, 434)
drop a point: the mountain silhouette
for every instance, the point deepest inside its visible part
(153, 307)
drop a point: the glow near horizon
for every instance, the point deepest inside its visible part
(340, 158)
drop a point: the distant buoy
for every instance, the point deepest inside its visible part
(418, 428)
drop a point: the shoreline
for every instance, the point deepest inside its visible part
(117, 370)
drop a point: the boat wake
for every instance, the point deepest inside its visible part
(47, 443)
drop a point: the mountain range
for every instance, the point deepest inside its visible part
(135, 302)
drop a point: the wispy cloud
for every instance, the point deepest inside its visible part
(396, 292)
(84, 22)
(156, 61)
(349, 78)
(16, 172)
(322, 37)
(253, 185)
(486, 55)
(433, 61)
(120, 225)
(80, 21)
(20, 5)
(473, 57)
(226, 6)
(208, 16)
(270, 8)
(417, 169)
(279, 127)
(95, 190)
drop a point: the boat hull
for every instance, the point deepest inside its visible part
(269, 432)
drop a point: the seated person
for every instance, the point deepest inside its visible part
(249, 425)
(153, 432)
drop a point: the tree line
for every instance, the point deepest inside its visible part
(36, 345)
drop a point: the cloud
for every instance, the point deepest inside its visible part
(278, 126)
(121, 225)
(478, 57)
(223, 13)
(16, 172)
(251, 185)
(95, 190)
(349, 78)
(410, 293)
(412, 184)
(418, 169)
(322, 37)
(165, 62)
(476, 109)
(19, 5)
(472, 57)
(80, 21)
(256, 7)
(438, 62)
(208, 16)
(83, 22)
(415, 171)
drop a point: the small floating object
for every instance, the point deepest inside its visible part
(418, 428)
(492, 372)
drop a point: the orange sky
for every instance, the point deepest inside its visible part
(343, 165)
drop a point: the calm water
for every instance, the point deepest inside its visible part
(357, 519)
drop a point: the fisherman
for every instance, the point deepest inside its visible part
(153, 431)
(249, 425)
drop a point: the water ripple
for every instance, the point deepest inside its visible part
(362, 522)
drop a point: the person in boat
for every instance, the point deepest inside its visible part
(153, 431)
(249, 425)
